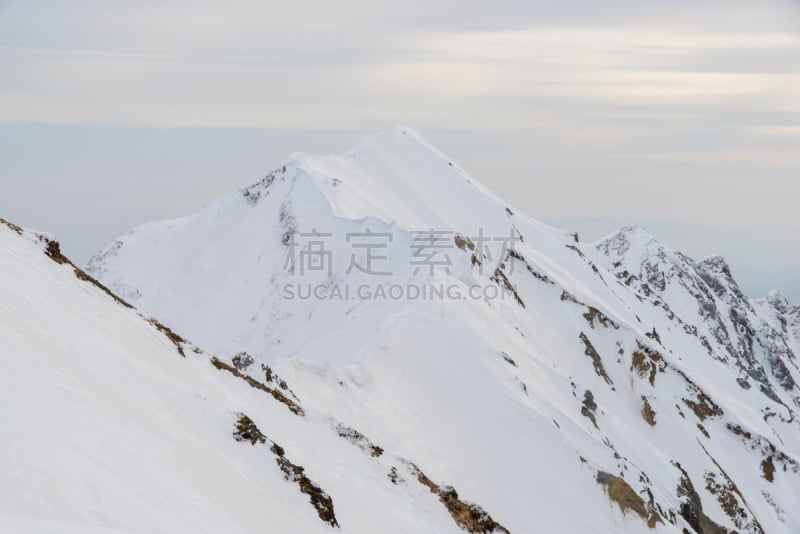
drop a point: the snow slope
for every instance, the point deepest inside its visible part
(616, 386)
(113, 424)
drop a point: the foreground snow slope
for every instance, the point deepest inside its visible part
(111, 423)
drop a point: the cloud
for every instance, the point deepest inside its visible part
(575, 109)
(364, 64)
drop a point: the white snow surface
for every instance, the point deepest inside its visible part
(107, 428)
(524, 405)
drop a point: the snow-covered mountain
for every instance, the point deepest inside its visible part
(550, 385)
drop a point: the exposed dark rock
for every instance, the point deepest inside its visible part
(500, 278)
(242, 361)
(508, 359)
(691, 509)
(647, 412)
(357, 438)
(468, 516)
(463, 242)
(247, 431)
(646, 362)
(770, 453)
(588, 407)
(11, 225)
(597, 361)
(621, 493)
(255, 192)
(252, 382)
(177, 340)
(320, 500)
(595, 316)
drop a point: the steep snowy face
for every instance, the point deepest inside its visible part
(113, 423)
(611, 386)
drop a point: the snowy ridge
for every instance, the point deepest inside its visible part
(621, 386)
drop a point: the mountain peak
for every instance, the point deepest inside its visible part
(633, 232)
(399, 177)
(394, 138)
(631, 242)
(715, 267)
(717, 262)
(776, 297)
(399, 141)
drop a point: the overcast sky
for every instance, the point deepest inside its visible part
(681, 116)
